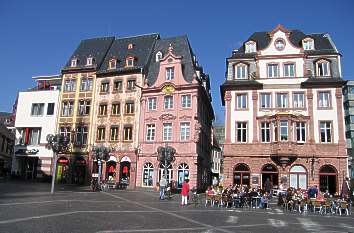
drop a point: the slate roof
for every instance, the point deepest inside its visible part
(141, 51)
(5, 114)
(96, 47)
(323, 43)
(323, 82)
(181, 47)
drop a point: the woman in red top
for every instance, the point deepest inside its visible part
(185, 191)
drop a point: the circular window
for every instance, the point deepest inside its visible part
(279, 44)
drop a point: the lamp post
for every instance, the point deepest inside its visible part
(100, 153)
(57, 143)
(166, 155)
(312, 160)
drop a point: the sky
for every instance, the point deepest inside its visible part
(38, 37)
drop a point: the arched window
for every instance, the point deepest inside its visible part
(112, 64)
(130, 61)
(242, 174)
(183, 173)
(323, 68)
(148, 175)
(241, 71)
(250, 47)
(158, 56)
(169, 172)
(308, 44)
(298, 177)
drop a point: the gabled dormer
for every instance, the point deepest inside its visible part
(74, 62)
(170, 69)
(308, 43)
(90, 60)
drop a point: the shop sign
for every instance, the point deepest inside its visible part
(95, 175)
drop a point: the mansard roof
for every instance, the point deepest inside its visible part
(323, 82)
(322, 41)
(96, 48)
(142, 47)
(181, 47)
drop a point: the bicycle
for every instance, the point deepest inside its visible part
(195, 197)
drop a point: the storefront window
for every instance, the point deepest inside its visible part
(148, 172)
(298, 177)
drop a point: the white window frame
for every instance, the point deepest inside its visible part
(89, 61)
(168, 102)
(325, 127)
(284, 100)
(273, 70)
(170, 73)
(185, 130)
(241, 101)
(266, 99)
(241, 130)
(73, 62)
(300, 130)
(308, 44)
(241, 71)
(37, 109)
(150, 132)
(289, 70)
(114, 131)
(167, 132)
(250, 47)
(152, 103)
(321, 67)
(283, 124)
(298, 100)
(324, 99)
(265, 132)
(186, 101)
(84, 107)
(158, 56)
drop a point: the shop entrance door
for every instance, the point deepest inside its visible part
(270, 172)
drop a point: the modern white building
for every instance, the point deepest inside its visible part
(35, 119)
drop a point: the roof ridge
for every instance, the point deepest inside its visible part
(174, 37)
(99, 38)
(139, 35)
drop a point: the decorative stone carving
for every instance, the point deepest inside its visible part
(185, 117)
(167, 116)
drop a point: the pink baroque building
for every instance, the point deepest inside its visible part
(176, 111)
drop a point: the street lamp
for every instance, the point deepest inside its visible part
(100, 153)
(166, 155)
(58, 144)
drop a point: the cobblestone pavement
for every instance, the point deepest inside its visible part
(29, 207)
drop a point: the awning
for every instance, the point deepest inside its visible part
(112, 158)
(125, 159)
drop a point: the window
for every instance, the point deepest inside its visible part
(279, 44)
(150, 132)
(65, 131)
(118, 85)
(115, 109)
(69, 85)
(89, 61)
(322, 68)
(289, 70)
(152, 103)
(273, 71)
(50, 109)
(168, 102)
(102, 110)
(101, 132)
(282, 100)
(81, 135)
(104, 87)
(298, 177)
(167, 131)
(131, 85)
(298, 100)
(325, 128)
(308, 44)
(37, 109)
(129, 108)
(241, 101)
(130, 62)
(185, 131)
(84, 107)
(250, 47)
(34, 136)
(73, 62)
(158, 56)
(112, 64)
(241, 131)
(67, 109)
(265, 131)
(114, 133)
(324, 99)
(241, 71)
(266, 100)
(148, 173)
(300, 132)
(86, 84)
(130, 46)
(186, 101)
(170, 73)
(128, 133)
(283, 130)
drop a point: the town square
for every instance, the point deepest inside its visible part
(164, 117)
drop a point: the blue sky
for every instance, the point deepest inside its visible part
(37, 37)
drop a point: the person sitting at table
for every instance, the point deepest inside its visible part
(327, 194)
(312, 192)
(252, 195)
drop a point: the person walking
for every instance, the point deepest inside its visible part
(163, 184)
(345, 188)
(185, 191)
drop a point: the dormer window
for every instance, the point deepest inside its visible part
(250, 47)
(322, 68)
(241, 71)
(112, 64)
(89, 61)
(130, 61)
(279, 44)
(308, 44)
(130, 46)
(158, 56)
(73, 62)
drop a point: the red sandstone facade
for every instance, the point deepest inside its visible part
(284, 112)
